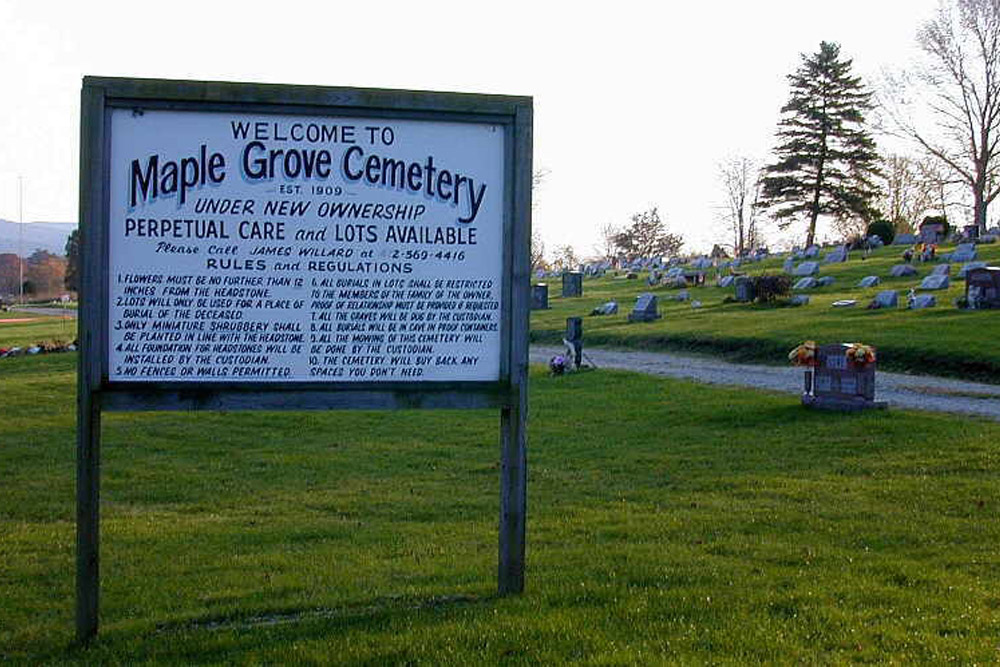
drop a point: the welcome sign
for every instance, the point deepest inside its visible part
(272, 247)
(276, 247)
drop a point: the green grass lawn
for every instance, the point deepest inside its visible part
(939, 341)
(668, 521)
(34, 329)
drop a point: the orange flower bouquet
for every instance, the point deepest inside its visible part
(860, 355)
(804, 354)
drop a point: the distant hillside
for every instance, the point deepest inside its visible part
(49, 236)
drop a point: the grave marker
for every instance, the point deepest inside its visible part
(645, 309)
(836, 383)
(540, 297)
(572, 284)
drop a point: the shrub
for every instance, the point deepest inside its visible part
(770, 288)
(883, 229)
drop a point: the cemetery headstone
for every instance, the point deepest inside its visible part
(789, 265)
(745, 291)
(982, 287)
(811, 251)
(609, 308)
(726, 281)
(886, 299)
(902, 271)
(869, 281)
(964, 252)
(540, 297)
(683, 295)
(845, 303)
(825, 281)
(805, 283)
(807, 269)
(572, 284)
(934, 282)
(799, 300)
(836, 255)
(904, 239)
(964, 271)
(919, 301)
(836, 383)
(941, 270)
(645, 309)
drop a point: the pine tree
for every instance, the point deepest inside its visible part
(826, 160)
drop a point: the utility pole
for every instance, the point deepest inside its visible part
(20, 240)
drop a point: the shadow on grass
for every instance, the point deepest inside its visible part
(217, 638)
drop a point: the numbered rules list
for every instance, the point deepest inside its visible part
(286, 248)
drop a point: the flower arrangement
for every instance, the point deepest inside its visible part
(860, 355)
(804, 354)
(557, 365)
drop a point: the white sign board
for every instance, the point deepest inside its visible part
(284, 248)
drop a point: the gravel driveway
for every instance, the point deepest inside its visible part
(914, 392)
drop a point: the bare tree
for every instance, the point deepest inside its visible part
(740, 179)
(537, 251)
(607, 250)
(960, 72)
(911, 188)
(565, 258)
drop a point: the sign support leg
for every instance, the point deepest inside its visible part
(88, 483)
(513, 495)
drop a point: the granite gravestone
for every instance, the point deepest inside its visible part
(789, 265)
(825, 281)
(869, 281)
(837, 384)
(964, 271)
(799, 300)
(941, 270)
(645, 309)
(805, 283)
(726, 281)
(609, 308)
(806, 269)
(904, 239)
(982, 288)
(886, 299)
(572, 284)
(902, 271)
(540, 297)
(745, 289)
(965, 252)
(811, 251)
(934, 282)
(836, 255)
(919, 301)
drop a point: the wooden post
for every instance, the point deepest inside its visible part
(88, 498)
(513, 498)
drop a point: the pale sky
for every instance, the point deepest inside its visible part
(636, 103)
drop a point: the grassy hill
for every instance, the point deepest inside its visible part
(937, 341)
(661, 528)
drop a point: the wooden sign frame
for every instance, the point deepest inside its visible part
(97, 393)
